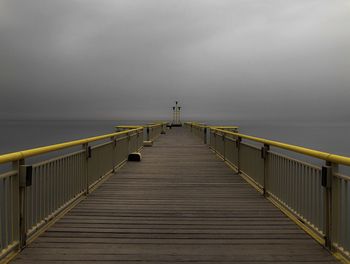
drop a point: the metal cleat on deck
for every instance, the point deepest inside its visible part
(148, 143)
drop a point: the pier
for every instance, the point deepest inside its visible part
(200, 194)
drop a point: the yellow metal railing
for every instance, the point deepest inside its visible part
(317, 198)
(36, 192)
(302, 150)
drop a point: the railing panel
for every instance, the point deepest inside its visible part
(140, 139)
(231, 151)
(341, 207)
(101, 161)
(9, 210)
(220, 144)
(298, 186)
(135, 142)
(132, 143)
(54, 183)
(198, 131)
(212, 139)
(251, 162)
(122, 150)
(154, 131)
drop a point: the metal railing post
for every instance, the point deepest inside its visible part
(238, 145)
(205, 135)
(327, 184)
(140, 139)
(113, 139)
(265, 155)
(129, 140)
(224, 147)
(25, 179)
(87, 157)
(148, 136)
(215, 142)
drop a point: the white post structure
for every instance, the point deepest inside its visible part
(176, 115)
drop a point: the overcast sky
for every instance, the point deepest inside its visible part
(131, 59)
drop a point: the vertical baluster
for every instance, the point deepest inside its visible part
(346, 216)
(55, 185)
(73, 175)
(48, 189)
(2, 214)
(66, 173)
(314, 197)
(289, 186)
(223, 146)
(6, 213)
(59, 181)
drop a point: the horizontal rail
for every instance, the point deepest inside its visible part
(225, 127)
(129, 126)
(206, 126)
(157, 124)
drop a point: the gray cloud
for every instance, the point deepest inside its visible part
(131, 59)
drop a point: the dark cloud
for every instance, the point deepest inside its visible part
(131, 59)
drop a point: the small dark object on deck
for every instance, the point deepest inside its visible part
(135, 156)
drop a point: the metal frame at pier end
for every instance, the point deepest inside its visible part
(152, 131)
(176, 115)
(41, 184)
(316, 198)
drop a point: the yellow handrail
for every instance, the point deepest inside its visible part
(42, 150)
(143, 126)
(156, 124)
(196, 124)
(128, 126)
(212, 127)
(224, 127)
(306, 151)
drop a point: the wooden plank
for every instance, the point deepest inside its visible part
(180, 204)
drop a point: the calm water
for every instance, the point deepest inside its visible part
(20, 135)
(329, 137)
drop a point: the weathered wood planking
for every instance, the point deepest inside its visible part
(181, 204)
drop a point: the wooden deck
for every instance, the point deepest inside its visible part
(181, 204)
